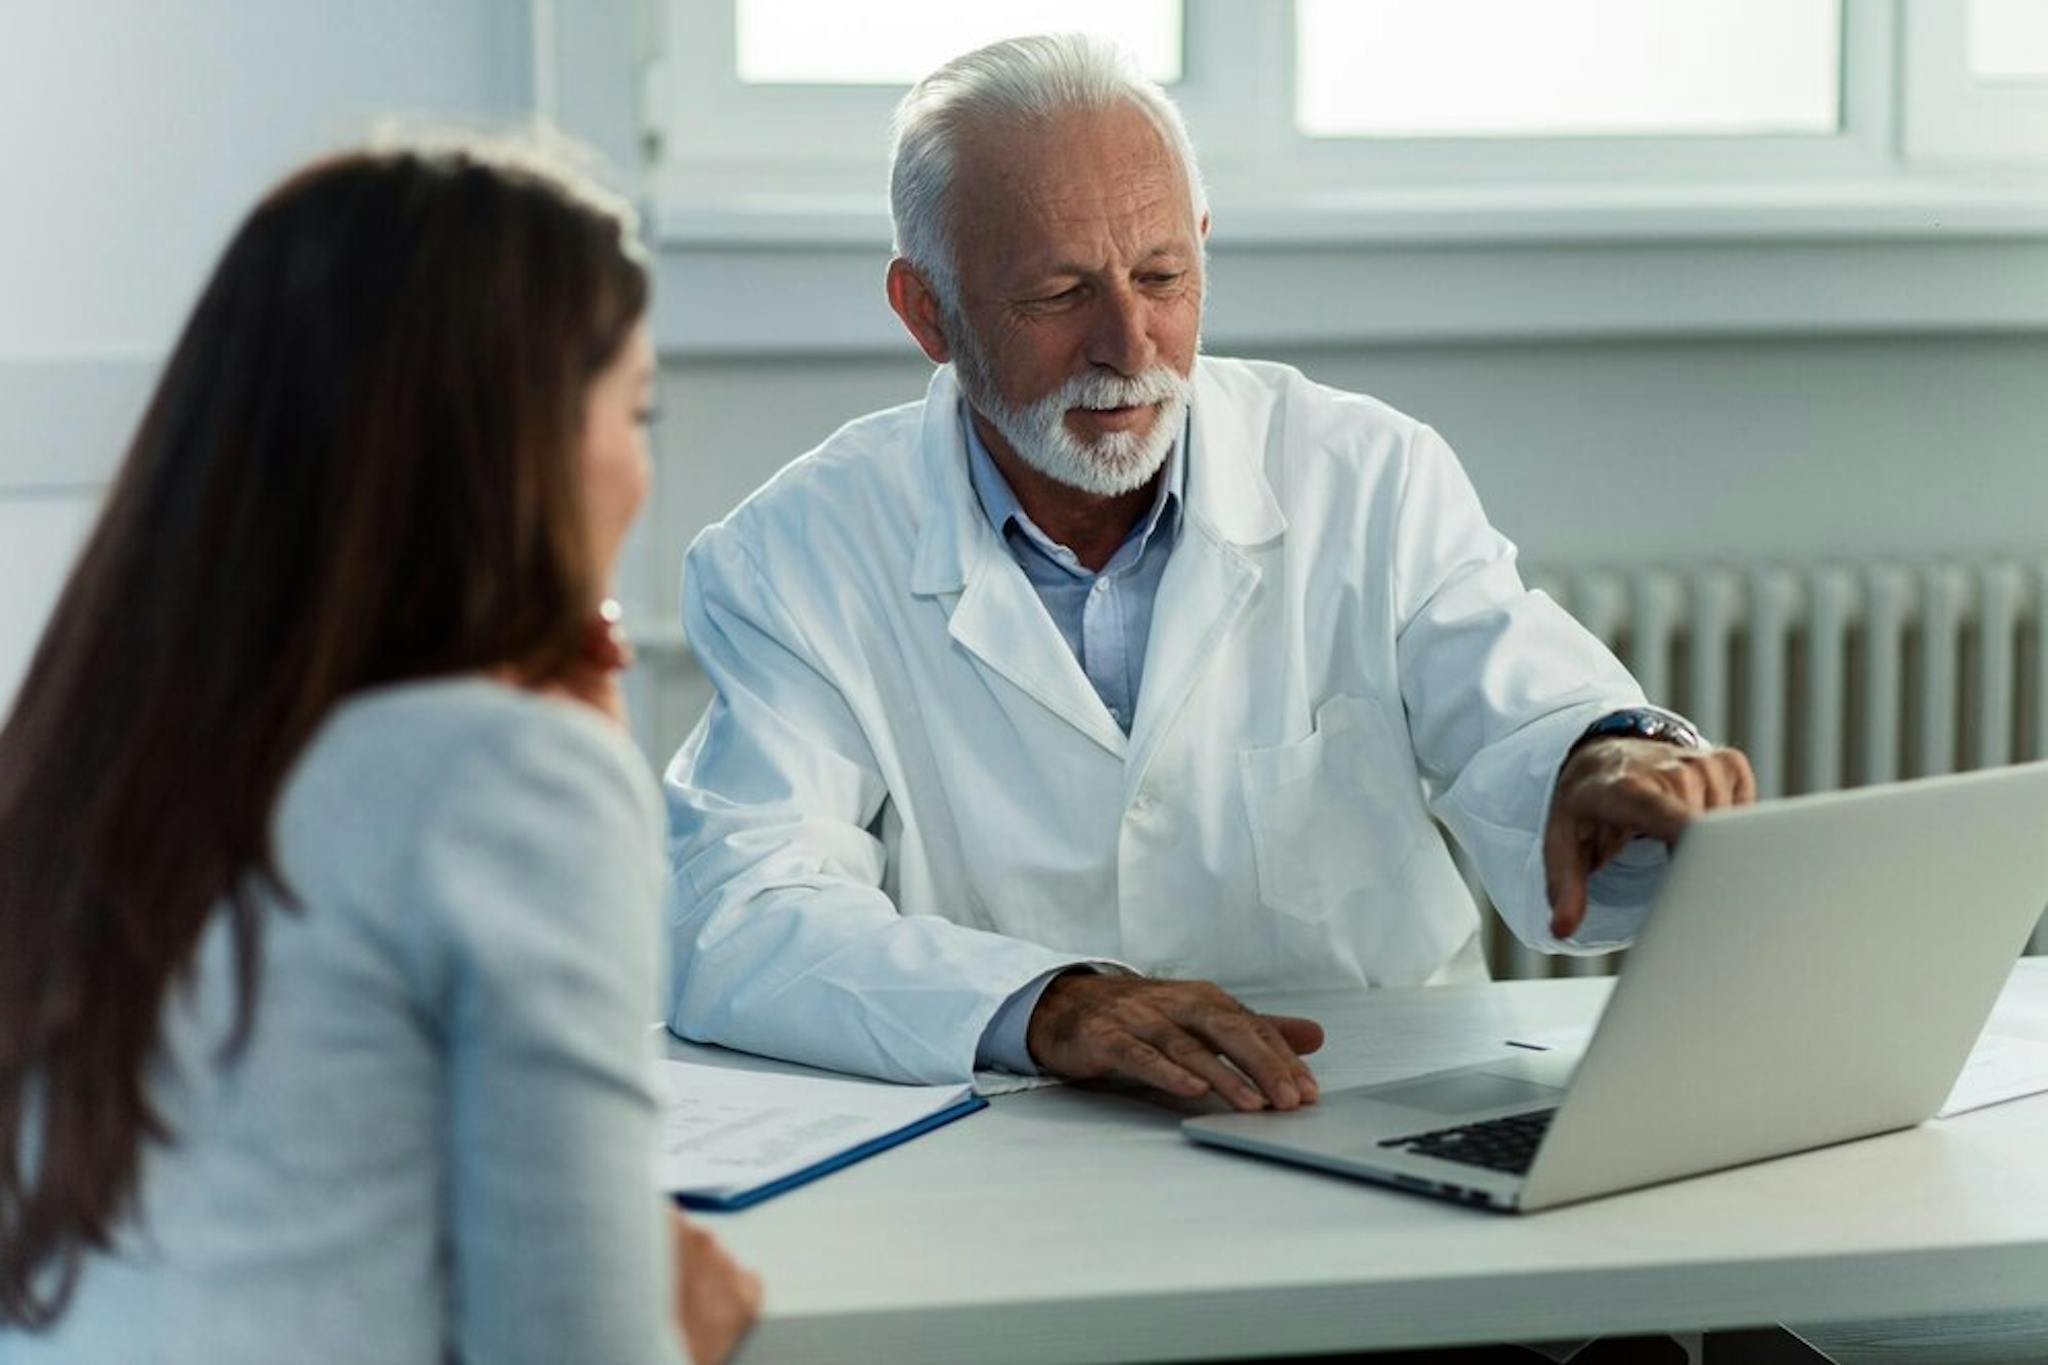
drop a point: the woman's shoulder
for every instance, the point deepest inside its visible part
(420, 727)
(389, 766)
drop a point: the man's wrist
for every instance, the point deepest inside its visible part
(1005, 1042)
(1642, 722)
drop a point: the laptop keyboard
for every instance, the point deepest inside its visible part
(1505, 1144)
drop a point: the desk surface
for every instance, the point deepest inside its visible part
(1068, 1224)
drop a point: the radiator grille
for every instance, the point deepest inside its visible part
(1827, 675)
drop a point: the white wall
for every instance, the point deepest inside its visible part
(39, 534)
(1739, 448)
(134, 136)
(138, 134)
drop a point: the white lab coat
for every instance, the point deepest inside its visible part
(906, 800)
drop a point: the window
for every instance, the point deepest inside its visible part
(831, 42)
(785, 104)
(2009, 40)
(1402, 118)
(1565, 68)
(1976, 88)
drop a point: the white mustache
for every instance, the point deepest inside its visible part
(1100, 391)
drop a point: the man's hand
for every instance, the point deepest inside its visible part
(1618, 789)
(1183, 1037)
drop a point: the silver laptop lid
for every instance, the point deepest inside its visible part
(1815, 970)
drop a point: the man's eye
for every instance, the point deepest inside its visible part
(1163, 279)
(1067, 295)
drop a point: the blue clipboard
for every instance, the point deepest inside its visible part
(746, 1199)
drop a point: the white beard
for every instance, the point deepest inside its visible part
(1114, 463)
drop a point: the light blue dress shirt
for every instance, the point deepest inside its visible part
(1105, 617)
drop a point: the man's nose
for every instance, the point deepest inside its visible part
(1122, 337)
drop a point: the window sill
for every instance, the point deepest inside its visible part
(1912, 206)
(768, 273)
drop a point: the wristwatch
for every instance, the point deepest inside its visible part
(1644, 722)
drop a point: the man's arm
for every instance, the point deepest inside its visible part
(782, 940)
(1499, 685)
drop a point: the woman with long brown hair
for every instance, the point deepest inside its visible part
(329, 882)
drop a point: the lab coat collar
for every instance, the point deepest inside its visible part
(950, 524)
(1209, 578)
(1226, 487)
(1226, 480)
(997, 616)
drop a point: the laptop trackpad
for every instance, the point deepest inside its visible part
(1463, 1092)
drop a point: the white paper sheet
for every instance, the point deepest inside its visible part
(724, 1131)
(989, 1083)
(2001, 1067)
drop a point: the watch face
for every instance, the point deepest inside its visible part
(1672, 732)
(1647, 725)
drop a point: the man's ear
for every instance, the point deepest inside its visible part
(918, 306)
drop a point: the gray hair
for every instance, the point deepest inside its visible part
(1016, 80)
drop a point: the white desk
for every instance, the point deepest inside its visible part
(1075, 1225)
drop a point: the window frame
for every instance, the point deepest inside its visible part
(765, 251)
(1954, 120)
(1260, 155)
(720, 145)
(735, 140)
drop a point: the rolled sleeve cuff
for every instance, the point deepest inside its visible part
(1004, 1043)
(1619, 896)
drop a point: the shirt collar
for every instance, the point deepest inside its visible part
(999, 501)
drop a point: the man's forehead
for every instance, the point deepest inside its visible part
(1064, 146)
(1074, 175)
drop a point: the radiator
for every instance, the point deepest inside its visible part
(1827, 675)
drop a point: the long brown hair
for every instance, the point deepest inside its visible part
(359, 466)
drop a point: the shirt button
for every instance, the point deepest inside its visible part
(1101, 585)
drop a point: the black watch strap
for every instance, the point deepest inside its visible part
(1644, 722)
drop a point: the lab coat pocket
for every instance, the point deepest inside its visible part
(1335, 815)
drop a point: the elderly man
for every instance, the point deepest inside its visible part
(1109, 676)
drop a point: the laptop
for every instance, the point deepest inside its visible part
(1813, 970)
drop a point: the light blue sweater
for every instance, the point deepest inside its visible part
(439, 1141)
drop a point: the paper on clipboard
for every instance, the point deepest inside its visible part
(729, 1135)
